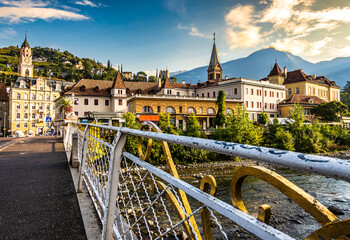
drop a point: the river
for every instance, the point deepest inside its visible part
(287, 216)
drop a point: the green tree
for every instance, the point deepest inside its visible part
(263, 119)
(193, 129)
(109, 64)
(220, 117)
(173, 79)
(152, 79)
(330, 111)
(130, 122)
(165, 123)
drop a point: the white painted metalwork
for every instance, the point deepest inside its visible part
(131, 205)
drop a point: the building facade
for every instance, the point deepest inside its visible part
(4, 110)
(31, 100)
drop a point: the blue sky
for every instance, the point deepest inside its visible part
(145, 35)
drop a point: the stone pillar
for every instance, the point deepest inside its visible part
(74, 161)
(177, 123)
(208, 122)
(184, 125)
(110, 122)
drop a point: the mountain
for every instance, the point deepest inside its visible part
(258, 65)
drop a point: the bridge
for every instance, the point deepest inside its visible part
(134, 199)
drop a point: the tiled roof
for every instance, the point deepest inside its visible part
(302, 99)
(167, 83)
(276, 71)
(118, 82)
(141, 87)
(3, 93)
(91, 87)
(300, 76)
(185, 86)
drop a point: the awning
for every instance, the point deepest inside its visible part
(153, 118)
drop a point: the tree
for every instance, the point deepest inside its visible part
(109, 64)
(220, 118)
(165, 123)
(345, 95)
(173, 79)
(193, 127)
(263, 119)
(152, 79)
(330, 111)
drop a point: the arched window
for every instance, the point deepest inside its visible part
(18, 96)
(147, 109)
(170, 110)
(228, 111)
(27, 73)
(211, 111)
(191, 110)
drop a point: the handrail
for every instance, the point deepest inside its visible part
(326, 166)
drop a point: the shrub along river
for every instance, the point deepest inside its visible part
(287, 216)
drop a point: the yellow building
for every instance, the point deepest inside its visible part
(31, 106)
(306, 90)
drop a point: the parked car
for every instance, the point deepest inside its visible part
(18, 133)
(30, 133)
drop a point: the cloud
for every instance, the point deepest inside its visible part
(6, 33)
(241, 31)
(193, 31)
(342, 52)
(86, 3)
(347, 38)
(29, 10)
(177, 6)
(289, 25)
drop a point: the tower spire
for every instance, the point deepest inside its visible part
(214, 69)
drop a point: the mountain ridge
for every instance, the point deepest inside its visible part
(258, 64)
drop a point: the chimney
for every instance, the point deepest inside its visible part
(159, 83)
(314, 76)
(226, 77)
(183, 82)
(285, 72)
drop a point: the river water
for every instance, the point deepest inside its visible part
(287, 216)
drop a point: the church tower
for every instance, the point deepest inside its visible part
(214, 69)
(276, 76)
(25, 60)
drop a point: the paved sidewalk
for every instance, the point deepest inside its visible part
(37, 195)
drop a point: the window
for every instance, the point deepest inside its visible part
(170, 110)
(96, 102)
(297, 90)
(48, 97)
(289, 91)
(168, 91)
(310, 90)
(200, 110)
(26, 106)
(178, 93)
(180, 109)
(236, 90)
(40, 115)
(33, 115)
(252, 91)
(208, 94)
(25, 96)
(25, 125)
(272, 115)
(158, 109)
(40, 107)
(34, 97)
(18, 125)
(26, 116)
(120, 102)
(191, 110)
(265, 93)
(106, 102)
(147, 109)
(214, 94)
(41, 87)
(265, 105)
(86, 114)
(33, 124)
(40, 97)
(18, 116)
(273, 94)
(252, 104)
(120, 91)
(86, 101)
(18, 96)
(277, 94)
(33, 106)
(211, 111)
(246, 104)
(18, 106)
(47, 107)
(313, 91)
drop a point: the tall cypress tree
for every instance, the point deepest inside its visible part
(220, 118)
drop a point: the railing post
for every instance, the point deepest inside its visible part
(112, 187)
(74, 161)
(83, 157)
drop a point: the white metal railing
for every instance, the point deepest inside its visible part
(136, 200)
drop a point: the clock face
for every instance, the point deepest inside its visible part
(26, 60)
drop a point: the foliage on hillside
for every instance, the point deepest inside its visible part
(54, 63)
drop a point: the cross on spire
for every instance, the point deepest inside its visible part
(214, 37)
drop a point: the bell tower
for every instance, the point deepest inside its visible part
(214, 69)
(25, 60)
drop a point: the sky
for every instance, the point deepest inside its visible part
(178, 34)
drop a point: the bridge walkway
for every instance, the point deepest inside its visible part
(37, 194)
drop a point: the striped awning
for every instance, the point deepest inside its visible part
(153, 118)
